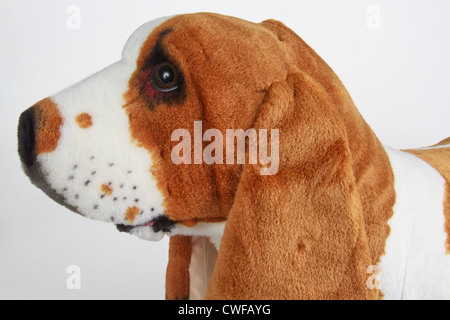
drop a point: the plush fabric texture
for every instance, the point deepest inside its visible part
(177, 273)
(283, 84)
(103, 148)
(438, 156)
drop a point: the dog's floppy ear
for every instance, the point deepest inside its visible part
(299, 233)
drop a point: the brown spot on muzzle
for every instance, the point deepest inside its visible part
(84, 120)
(131, 214)
(47, 127)
(107, 190)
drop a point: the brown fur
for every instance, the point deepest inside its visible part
(106, 190)
(440, 160)
(131, 213)
(311, 230)
(443, 142)
(84, 120)
(48, 123)
(177, 273)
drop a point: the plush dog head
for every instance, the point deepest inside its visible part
(105, 149)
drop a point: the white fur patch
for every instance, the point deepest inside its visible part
(104, 155)
(213, 230)
(133, 46)
(415, 264)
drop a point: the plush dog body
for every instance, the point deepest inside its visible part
(339, 207)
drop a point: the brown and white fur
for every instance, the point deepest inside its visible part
(340, 203)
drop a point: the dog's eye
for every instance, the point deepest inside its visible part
(164, 78)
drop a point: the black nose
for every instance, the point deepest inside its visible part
(27, 138)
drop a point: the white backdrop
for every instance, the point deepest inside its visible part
(393, 56)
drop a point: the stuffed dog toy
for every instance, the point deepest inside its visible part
(322, 210)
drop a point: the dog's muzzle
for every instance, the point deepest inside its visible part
(38, 133)
(30, 144)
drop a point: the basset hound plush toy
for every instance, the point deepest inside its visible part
(322, 210)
